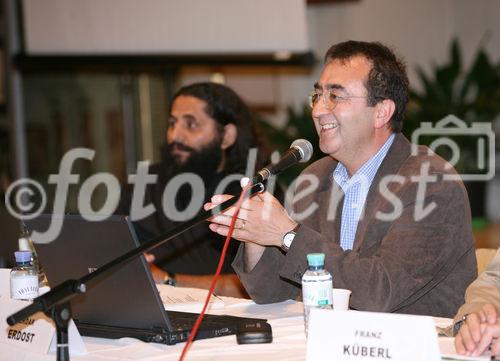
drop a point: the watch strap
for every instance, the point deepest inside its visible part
(170, 280)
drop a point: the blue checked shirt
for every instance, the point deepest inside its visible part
(355, 190)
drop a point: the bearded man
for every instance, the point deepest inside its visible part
(209, 136)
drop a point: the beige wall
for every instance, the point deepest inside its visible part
(420, 31)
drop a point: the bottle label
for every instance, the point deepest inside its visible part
(24, 288)
(317, 293)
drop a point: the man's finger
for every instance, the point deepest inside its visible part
(243, 213)
(474, 326)
(487, 338)
(224, 220)
(209, 205)
(223, 231)
(150, 258)
(216, 200)
(460, 345)
(219, 229)
(467, 340)
(220, 198)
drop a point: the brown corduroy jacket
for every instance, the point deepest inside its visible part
(404, 264)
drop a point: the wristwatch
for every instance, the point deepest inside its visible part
(288, 238)
(170, 279)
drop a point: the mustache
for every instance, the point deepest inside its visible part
(179, 146)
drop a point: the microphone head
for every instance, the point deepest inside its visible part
(305, 149)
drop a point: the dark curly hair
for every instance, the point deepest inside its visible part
(225, 106)
(387, 78)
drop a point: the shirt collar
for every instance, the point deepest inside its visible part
(367, 170)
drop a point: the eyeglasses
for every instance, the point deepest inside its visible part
(330, 99)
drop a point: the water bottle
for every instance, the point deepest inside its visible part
(317, 286)
(26, 244)
(23, 277)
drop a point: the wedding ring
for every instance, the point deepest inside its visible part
(243, 223)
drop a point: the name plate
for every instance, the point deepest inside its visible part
(37, 333)
(353, 335)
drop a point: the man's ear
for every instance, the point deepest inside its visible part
(229, 136)
(383, 113)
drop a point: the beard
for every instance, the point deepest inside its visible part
(203, 162)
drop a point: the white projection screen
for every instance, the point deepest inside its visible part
(163, 27)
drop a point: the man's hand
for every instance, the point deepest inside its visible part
(159, 275)
(261, 220)
(227, 285)
(479, 331)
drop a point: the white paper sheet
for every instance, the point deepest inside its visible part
(187, 299)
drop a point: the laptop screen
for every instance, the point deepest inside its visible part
(126, 297)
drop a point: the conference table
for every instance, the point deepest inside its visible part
(289, 341)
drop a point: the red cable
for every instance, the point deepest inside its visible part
(197, 324)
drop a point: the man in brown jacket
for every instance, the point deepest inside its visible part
(393, 221)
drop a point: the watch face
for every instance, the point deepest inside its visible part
(287, 240)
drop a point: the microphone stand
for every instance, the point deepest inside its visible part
(56, 303)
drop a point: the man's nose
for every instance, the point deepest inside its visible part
(319, 108)
(175, 133)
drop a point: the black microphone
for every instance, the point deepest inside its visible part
(300, 151)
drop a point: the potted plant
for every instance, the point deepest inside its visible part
(298, 125)
(452, 95)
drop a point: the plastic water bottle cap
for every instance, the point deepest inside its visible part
(24, 244)
(316, 259)
(22, 256)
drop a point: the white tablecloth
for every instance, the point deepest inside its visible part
(289, 342)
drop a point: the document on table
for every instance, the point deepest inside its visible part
(271, 311)
(187, 299)
(192, 299)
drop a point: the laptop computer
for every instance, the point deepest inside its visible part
(9, 238)
(125, 303)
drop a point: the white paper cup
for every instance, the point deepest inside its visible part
(341, 299)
